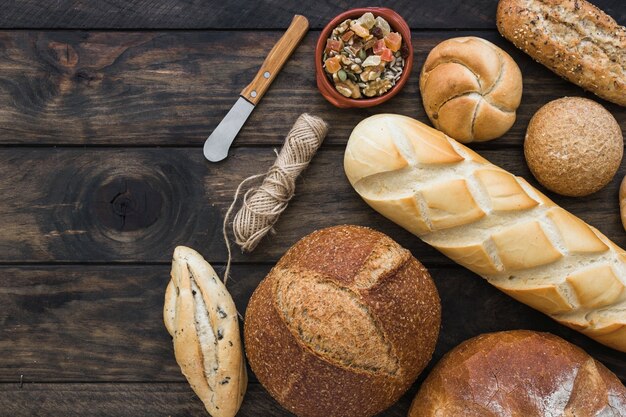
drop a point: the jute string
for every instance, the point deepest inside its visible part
(263, 205)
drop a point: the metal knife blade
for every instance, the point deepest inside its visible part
(217, 144)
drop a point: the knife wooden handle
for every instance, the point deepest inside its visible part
(276, 59)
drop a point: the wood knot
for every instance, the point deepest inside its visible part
(63, 54)
(84, 76)
(128, 204)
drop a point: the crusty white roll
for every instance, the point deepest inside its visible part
(470, 89)
(491, 222)
(201, 317)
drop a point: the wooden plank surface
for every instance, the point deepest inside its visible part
(263, 14)
(174, 399)
(173, 88)
(104, 324)
(102, 175)
(136, 205)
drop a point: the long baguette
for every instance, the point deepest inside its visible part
(491, 222)
(573, 38)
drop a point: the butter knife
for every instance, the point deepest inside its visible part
(218, 143)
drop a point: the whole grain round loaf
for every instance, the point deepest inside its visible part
(470, 89)
(343, 324)
(519, 373)
(573, 146)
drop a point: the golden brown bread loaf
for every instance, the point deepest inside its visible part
(491, 222)
(622, 201)
(470, 89)
(343, 324)
(573, 146)
(519, 373)
(573, 38)
(201, 317)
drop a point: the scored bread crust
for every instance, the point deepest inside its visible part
(470, 89)
(201, 317)
(491, 222)
(519, 373)
(573, 38)
(343, 324)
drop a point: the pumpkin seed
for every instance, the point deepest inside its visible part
(342, 75)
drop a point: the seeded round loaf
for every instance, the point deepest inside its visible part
(573, 146)
(573, 38)
(470, 89)
(343, 324)
(519, 373)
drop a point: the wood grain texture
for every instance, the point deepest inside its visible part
(173, 88)
(88, 231)
(93, 324)
(136, 205)
(264, 14)
(174, 399)
(104, 323)
(130, 399)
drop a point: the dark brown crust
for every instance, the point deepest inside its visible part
(311, 386)
(521, 373)
(523, 26)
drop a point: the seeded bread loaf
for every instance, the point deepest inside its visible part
(201, 317)
(343, 324)
(573, 146)
(519, 373)
(491, 222)
(573, 38)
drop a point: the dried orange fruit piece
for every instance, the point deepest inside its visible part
(393, 41)
(333, 64)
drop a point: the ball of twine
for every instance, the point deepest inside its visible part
(263, 205)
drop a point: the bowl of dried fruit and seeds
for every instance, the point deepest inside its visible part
(363, 57)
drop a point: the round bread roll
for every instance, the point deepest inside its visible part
(573, 146)
(343, 324)
(519, 373)
(470, 89)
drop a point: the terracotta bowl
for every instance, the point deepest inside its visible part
(326, 87)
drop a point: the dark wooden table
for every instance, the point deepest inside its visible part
(104, 107)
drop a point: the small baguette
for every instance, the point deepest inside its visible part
(201, 317)
(491, 222)
(573, 38)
